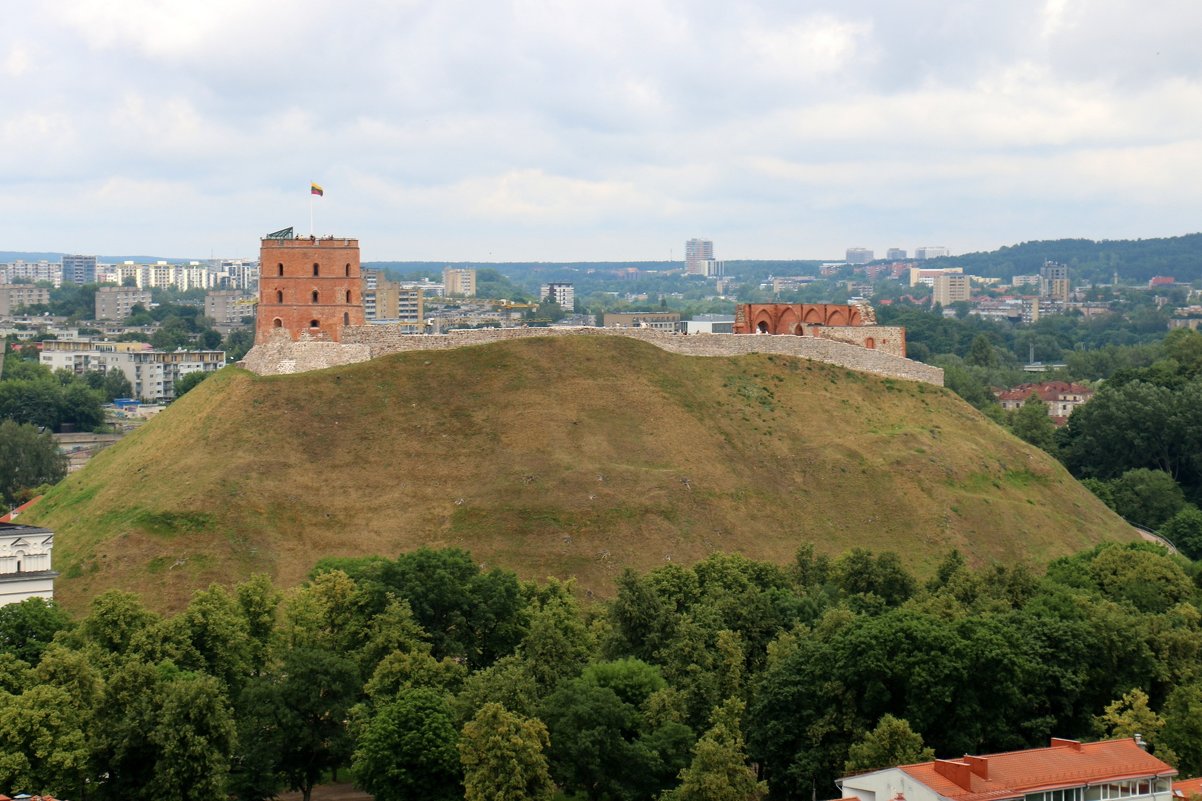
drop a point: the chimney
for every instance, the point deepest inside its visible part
(979, 765)
(1060, 742)
(956, 771)
(1139, 740)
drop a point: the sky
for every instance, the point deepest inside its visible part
(556, 130)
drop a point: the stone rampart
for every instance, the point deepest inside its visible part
(360, 343)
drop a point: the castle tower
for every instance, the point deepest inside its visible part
(309, 286)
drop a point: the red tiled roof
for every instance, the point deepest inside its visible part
(1010, 775)
(1187, 787)
(8, 518)
(1047, 391)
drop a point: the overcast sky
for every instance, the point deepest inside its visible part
(602, 130)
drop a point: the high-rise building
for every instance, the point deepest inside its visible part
(308, 286)
(563, 295)
(895, 253)
(227, 307)
(930, 252)
(15, 298)
(79, 269)
(950, 288)
(459, 281)
(859, 255)
(1054, 282)
(696, 252)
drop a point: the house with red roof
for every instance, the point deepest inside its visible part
(1067, 770)
(1061, 397)
(1186, 789)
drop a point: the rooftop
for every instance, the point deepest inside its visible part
(1066, 763)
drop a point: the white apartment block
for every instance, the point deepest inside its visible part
(151, 373)
(31, 271)
(562, 294)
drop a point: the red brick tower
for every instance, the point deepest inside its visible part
(308, 286)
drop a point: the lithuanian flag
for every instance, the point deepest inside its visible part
(314, 189)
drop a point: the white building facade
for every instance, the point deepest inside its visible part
(25, 570)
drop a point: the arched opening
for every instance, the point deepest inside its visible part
(836, 318)
(314, 295)
(801, 332)
(348, 296)
(279, 296)
(346, 318)
(277, 323)
(316, 270)
(280, 267)
(348, 269)
(20, 556)
(762, 327)
(313, 324)
(870, 343)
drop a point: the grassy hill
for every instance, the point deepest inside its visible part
(560, 456)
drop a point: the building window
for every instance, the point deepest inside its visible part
(279, 296)
(348, 269)
(348, 296)
(313, 324)
(277, 323)
(346, 318)
(314, 295)
(281, 269)
(315, 269)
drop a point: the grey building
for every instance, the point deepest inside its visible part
(79, 269)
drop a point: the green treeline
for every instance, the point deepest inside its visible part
(431, 677)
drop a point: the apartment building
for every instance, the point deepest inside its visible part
(117, 302)
(151, 373)
(15, 297)
(459, 281)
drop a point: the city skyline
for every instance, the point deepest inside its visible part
(529, 132)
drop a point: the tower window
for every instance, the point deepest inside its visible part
(314, 295)
(348, 296)
(279, 296)
(277, 323)
(313, 324)
(315, 269)
(280, 267)
(346, 318)
(348, 269)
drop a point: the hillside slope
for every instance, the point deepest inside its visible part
(566, 456)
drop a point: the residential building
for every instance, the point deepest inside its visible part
(117, 302)
(1065, 771)
(563, 295)
(25, 570)
(459, 281)
(1161, 280)
(79, 269)
(790, 283)
(708, 324)
(662, 321)
(697, 251)
(32, 271)
(1054, 282)
(895, 253)
(930, 252)
(1060, 397)
(227, 307)
(949, 288)
(859, 255)
(151, 373)
(918, 275)
(1024, 280)
(15, 297)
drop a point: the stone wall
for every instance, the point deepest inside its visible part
(360, 343)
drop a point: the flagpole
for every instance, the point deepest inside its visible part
(310, 213)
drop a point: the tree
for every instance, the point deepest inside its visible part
(1030, 423)
(1129, 716)
(193, 736)
(1184, 530)
(1147, 497)
(1183, 727)
(28, 459)
(409, 750)
(187, 382)
(719, 770)
(891, 743)
(116, 385)
(27, 628)
(502, 756)
(981, 353)
(43, 747)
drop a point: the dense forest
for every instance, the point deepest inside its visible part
(431, 676)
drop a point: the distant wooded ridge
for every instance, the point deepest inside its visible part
(1135, 260)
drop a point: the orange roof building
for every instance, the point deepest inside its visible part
(1067, 770)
